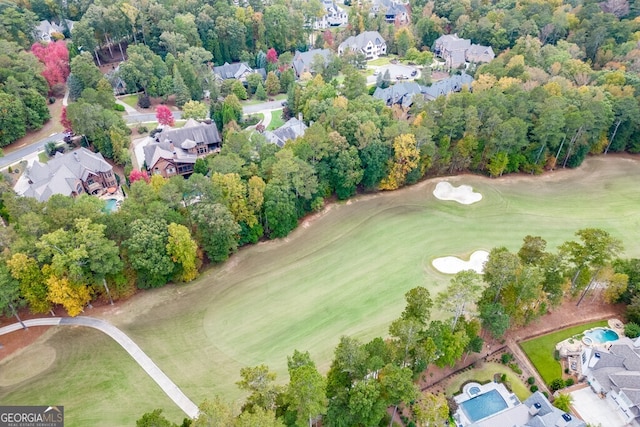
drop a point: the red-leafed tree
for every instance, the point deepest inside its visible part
(327, 37)
(272, 56)
(164, 115)
(55, 57)
(64, 120)
(137, 175)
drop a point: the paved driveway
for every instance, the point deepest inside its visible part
(395, 70)
(594, 410)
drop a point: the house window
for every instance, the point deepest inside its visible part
(203, 149)
(171, 170)
(156, 171)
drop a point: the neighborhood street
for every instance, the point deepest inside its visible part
(29, 150)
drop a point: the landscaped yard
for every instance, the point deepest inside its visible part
(344, 272)
(541, 350)
(484, 374)
(276, 120)
(383, 60)
(253, 101)
(130, 100)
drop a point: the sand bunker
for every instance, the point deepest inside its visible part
(452, 264)
(463, 194)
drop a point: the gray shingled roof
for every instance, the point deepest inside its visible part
(360, 41)
(452, 84)
(400, 93)
(302, 60)
(61, 173)
(292, 129)
(231, 71)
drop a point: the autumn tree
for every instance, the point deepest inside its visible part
(306, 392)
(194, 110)
(406, 158)
(71, 295)
(164, 115)
(272, 84)
(183, 251)
(33, 286)
(431, 410)
(216, 230)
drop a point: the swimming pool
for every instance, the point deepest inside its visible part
(484, 406)
(111, 206)
(601, 335)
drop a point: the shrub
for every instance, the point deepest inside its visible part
(545, 394)
(144, 101)
(10, 169)
(531, 380)
(118, 107)
(556, 354)
(632, 330)
(506, 358)
(569, 382)
(533, 388)
(566, 370)
(515, 368)
(50, 148)
(142, 129)
(52, 100)
(503, 378)
(556, 384)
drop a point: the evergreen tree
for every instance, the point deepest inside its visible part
(180, 89)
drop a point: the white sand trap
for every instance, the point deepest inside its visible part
(463, 194)
(453, 265)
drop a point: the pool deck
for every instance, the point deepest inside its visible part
(468, 393)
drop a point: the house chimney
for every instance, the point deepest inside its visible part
(172, 148)
(300, 116)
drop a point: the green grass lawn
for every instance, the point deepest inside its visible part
(485, 374)
(130, 100)
(42, 157)
(383, 60)
(276, 120)
(345, 272)
(541, 350)
(253, 101)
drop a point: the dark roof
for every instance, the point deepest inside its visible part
(302, 60)
(447, 86)
(231, 71)
(292, 129)
(59, 175)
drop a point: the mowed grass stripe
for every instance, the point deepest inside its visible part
(346, 271)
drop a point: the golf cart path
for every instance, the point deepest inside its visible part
(165, 383)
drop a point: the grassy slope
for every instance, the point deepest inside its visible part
(540, 350)
(276, 120)
(346, 273)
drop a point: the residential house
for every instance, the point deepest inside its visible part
(302, 61)
(535, 411)
(614, 373)
(370, 43)
(117, 83)
(292, 129)
(334, 16)
(175, 151)
(45, 29)
(394, 11)
(71, 174)
(449, 85)
(457, 51)
(406, 93)
(400, 93)
(237, 70)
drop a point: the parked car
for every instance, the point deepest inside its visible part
(414, 73)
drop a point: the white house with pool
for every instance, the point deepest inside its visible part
(492, 405)
(614, 373)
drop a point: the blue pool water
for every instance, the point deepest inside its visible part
(474, 390)
(483, 406)
(602, 335)
(111, 205)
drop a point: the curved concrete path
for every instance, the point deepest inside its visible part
(168, 386)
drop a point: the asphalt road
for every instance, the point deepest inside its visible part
(18, 155)
(145, 362)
